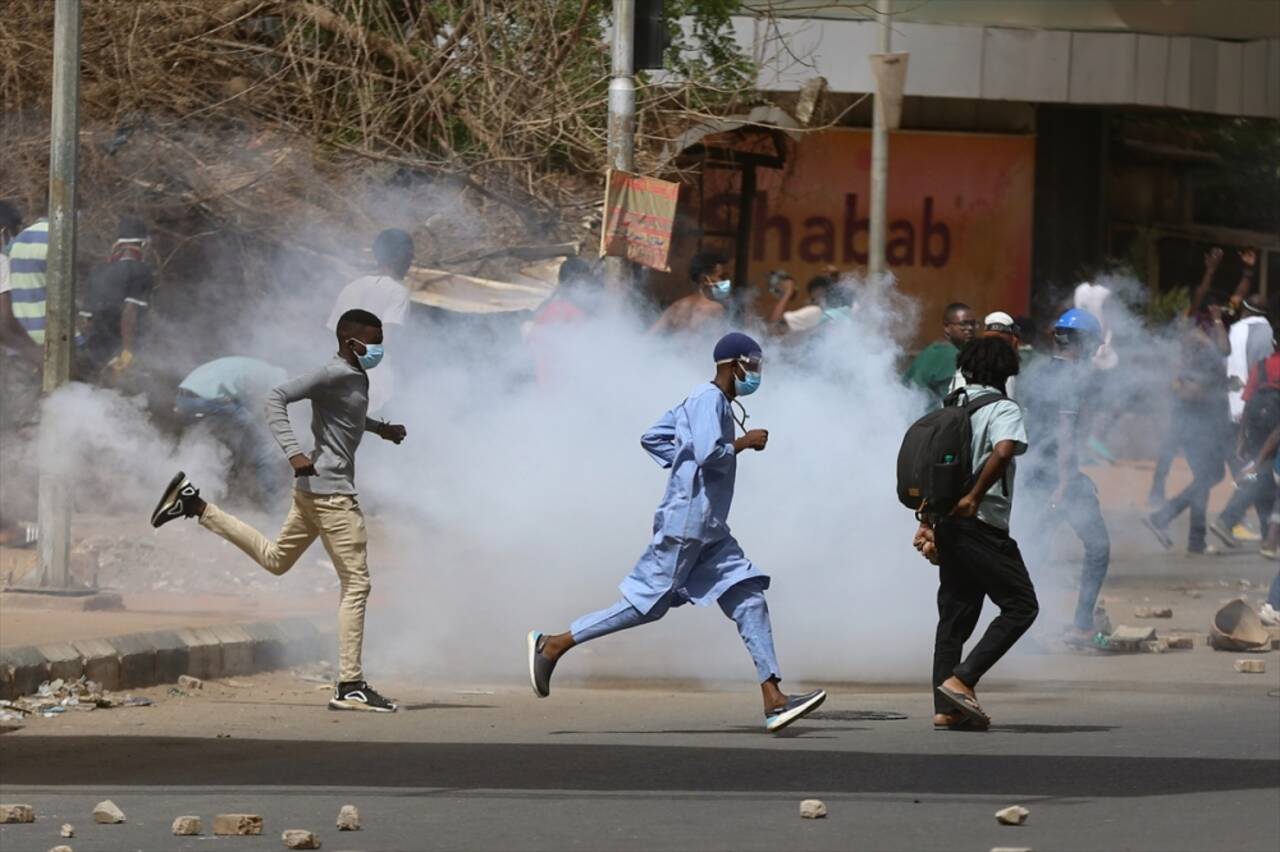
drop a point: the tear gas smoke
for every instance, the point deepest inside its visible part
(517, 503)
(530, 502)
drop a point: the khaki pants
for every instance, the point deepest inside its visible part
(337, 520)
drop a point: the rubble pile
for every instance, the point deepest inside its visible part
(56, 697)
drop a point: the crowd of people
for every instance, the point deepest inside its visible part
(1226, 416)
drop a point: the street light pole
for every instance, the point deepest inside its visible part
(622, 109)
(879, 160)
(53, 497)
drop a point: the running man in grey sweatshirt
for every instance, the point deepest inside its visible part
(324, 499)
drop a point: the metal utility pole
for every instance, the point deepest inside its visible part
(54, 504)
(879, 160)
(622, 109)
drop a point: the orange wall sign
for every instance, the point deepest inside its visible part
(960, 216)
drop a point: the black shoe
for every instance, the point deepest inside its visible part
(177, 501)
(358, 695)
(797, 707)
(540, 667)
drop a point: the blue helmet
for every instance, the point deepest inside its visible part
(1079, 321)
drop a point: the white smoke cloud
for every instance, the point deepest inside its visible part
(516, 505)
(106, 446)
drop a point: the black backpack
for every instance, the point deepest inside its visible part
(935, 464)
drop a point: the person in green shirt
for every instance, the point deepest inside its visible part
(935, 367)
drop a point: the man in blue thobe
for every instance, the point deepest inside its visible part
(693, 558)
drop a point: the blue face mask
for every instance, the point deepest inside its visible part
(747, 385)
(371, 357)
(720, 289)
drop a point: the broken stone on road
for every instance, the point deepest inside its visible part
(297, 838)
(242, 825)
(17, 813)
(1153, 612)
(1251, 666)
(187, 826)
(107, 813)
(1013, 815)
(189, 682)
(68, 830)
(812, 809)
(348, 818)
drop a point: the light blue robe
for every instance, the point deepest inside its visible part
(692, 557)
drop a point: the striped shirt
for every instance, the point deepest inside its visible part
(28, 262)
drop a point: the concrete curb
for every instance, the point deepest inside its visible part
(137, 660)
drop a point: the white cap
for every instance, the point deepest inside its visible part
(999, 321)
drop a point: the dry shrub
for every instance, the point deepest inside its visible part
(500, 101)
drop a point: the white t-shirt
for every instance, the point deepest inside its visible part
(388, 300)
(1250, 339)
(383, 296)
(803, 319)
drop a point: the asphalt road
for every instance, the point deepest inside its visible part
(1173, 751)
(1160, 753)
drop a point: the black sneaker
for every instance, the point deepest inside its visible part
(358, 695)
(797, 707)
(176, 502)
(540, 668)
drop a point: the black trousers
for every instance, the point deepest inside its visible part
(976, 561)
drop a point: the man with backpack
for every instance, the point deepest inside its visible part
(956, 468)
(1260, 417)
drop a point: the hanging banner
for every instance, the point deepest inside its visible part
(890, 71)
(639, 213)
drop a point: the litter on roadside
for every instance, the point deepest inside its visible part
(54, 698)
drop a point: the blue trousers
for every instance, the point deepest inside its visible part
(1080, 509)
(743, 602)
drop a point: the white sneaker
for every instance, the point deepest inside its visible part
(1270, 615)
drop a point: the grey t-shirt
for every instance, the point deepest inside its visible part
(339, 395)
(991, 424)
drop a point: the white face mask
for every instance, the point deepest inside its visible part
(720, 290)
